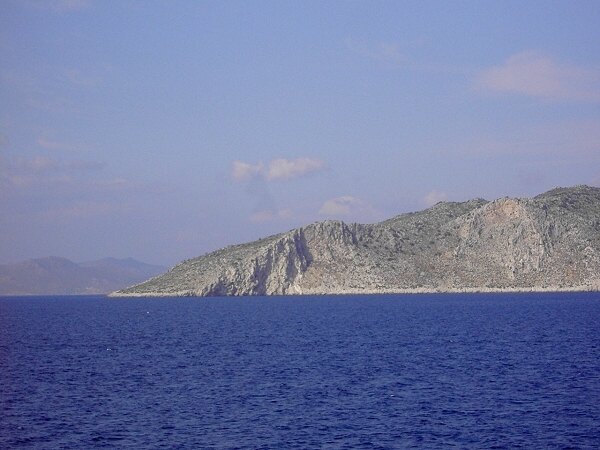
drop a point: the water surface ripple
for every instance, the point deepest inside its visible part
(350, 372)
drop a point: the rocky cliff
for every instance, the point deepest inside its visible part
(549, 242)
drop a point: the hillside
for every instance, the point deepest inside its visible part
(57, 276)
(549, 242)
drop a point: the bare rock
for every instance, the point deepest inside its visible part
(550, 242)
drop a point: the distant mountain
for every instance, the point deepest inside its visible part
(55, 276)
(550, 242)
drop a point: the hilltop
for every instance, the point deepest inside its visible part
(549, 242)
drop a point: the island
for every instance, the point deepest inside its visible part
(550, 242)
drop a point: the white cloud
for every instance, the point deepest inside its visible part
(537, 75)
(285, 169)
(242, 171)
(349, 207)
(340, 206)
(277, 169)
(434, 197)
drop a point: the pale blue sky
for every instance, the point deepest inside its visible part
(163, 130)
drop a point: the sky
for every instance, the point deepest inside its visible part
(162, 130)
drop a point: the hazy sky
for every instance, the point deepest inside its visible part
(163, 130)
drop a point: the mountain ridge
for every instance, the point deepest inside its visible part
(548, 242)
(54, 275)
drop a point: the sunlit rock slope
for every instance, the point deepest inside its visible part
(549, 242)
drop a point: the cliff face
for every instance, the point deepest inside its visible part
(550, 242)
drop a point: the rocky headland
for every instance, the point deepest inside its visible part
(547, 243)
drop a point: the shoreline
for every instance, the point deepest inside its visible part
(479, 290)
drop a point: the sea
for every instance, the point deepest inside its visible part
(485, 371)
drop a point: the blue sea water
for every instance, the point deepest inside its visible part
(413, 371)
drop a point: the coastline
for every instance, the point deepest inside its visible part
(470, 290)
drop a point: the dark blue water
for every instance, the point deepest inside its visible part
(465, 371)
